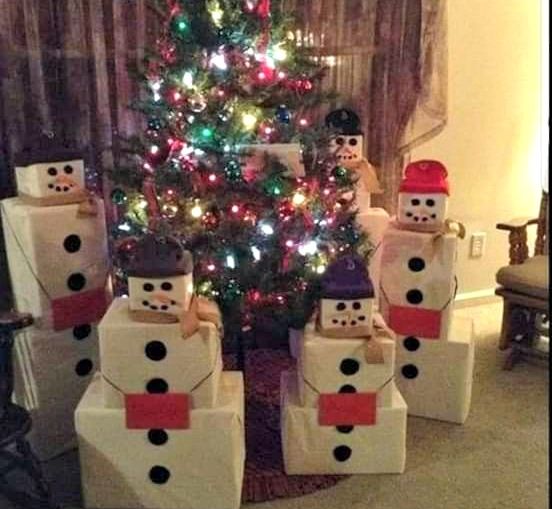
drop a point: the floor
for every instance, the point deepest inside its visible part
(498, 459)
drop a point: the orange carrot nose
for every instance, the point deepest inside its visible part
(65, 180)
(164, 299)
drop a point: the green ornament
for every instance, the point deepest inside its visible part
(118, 196)
(274, 186)
(232, 291)
(180, 25)
(206, 133)
(233, 171)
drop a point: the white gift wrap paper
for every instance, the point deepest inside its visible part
(309, 448)
(435, 376)
(325, 365)
(374, 222)
(205, 463)
(51, 372)
(40, 259)
(133, 353)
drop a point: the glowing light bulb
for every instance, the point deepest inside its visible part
(196, 211)
(249, 120)
(290, 243)
(211, 267)
(188, 79)
(303, 122)
(206, 132)
(261, 76)
(230, 262)
(298, 199)
(125, 227)
(268, 131)
(156, 86)
(282, 75)
(321, 269)
(279, 53)
(308, 248)
(235, 209)
(212, 177)
(177, 96)
(154, 149)
(267, 229)
(217, 14)
(256, 252)
(218, 60)
(156, 97)
(227, 148)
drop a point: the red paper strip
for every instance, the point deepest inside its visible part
(157, 411)
(347, 409)
(425, 323)
(78, 309)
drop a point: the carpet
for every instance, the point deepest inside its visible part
(497, 459)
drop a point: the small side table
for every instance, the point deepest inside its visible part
(15, 422)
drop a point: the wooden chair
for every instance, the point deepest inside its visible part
(524, 288)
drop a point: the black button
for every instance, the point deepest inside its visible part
(68, 169)
(409, 371)
(342, 453)
(148, 287)
(347, 389)
(345, 429)
(72, 243)
(84, 367)
(157, 386)
(341, 306)
(52, 172)
(416, 264)
(158, 436)
(430, 203)
(159, 475)
(349, 367)
(167, 287)
(411, 343)
(76, 282)
(82, 331)
(357, 305)
(414, 296)
(415, 202)
(156, 350)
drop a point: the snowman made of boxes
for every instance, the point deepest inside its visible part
(162, 426)
(56, 245)
(435, 351)
(341, 412)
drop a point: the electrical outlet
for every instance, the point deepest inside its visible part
(477, 245)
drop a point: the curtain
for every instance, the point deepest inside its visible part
(64, 72)
(387, 60)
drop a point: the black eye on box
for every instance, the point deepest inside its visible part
(415, 202)
(340, 141)
(353, 142)
(52, 172)
(148, 287)
(68, 169)
(167, 287)
(430, 203)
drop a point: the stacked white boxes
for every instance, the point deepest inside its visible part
(57, 253)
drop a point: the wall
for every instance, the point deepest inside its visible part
(490, 144)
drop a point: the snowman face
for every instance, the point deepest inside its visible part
(171, 295)
(422, 211)
(44, 180)
(349, 317)
(347, 149)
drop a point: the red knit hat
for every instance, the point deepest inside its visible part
(425, 177)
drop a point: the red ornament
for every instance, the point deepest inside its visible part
(259, 7)
(286, 210)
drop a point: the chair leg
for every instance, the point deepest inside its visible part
(506, 329)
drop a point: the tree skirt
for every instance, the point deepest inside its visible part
(265, 478)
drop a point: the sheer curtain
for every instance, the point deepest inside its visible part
(387, 60)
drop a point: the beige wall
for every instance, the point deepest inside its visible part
(490, 143)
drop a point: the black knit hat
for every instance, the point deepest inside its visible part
(158, 257)
(344, 121)
(46, 149)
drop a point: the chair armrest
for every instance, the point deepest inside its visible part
(516, 224)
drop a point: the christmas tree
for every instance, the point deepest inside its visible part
(227, 78)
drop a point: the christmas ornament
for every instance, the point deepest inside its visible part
(197, 103)
(283, 114)
(233, 171)
(118, 196)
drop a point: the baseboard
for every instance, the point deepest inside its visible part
(468, 299)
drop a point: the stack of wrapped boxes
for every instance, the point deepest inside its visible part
(162, 426)
(435, 352)
(57, 253)
(341, 410)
